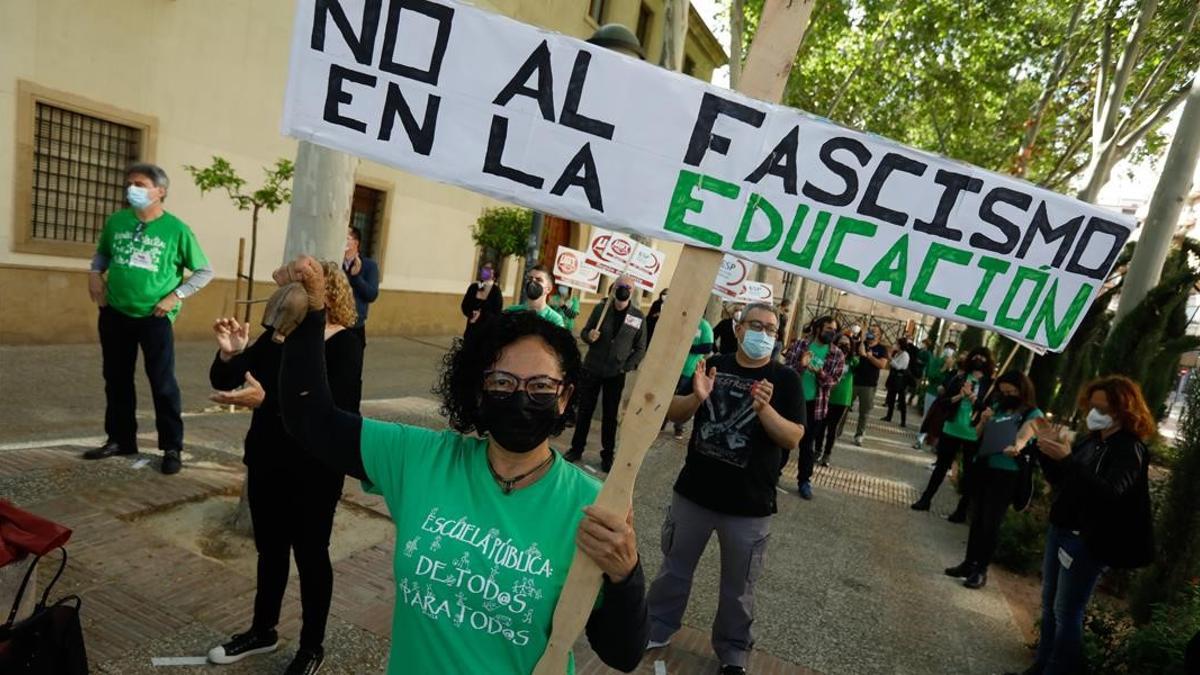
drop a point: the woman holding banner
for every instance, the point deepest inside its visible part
(486, 528)
(292, 496)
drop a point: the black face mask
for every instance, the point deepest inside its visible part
(534, 289)
(978, 363)
(828, 336)
(622, 293)
(1010, 402)
(516, 422)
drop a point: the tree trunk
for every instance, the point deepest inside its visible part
(1159, 229)
(317, 221)
(737, 22)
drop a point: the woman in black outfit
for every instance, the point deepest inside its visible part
(1004, 429)
(505, 391)
(1100, 516)
(483, 300)
(292, 496)
(968, 394)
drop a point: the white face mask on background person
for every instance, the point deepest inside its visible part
(138, 197)
(947, 353)
(1098, 421)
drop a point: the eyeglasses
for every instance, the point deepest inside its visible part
(542, 389)
(769, 329)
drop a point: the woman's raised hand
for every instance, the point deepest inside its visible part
(232, 337)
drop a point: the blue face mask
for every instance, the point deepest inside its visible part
(138, 197)
(756, 344)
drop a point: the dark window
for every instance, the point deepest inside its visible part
(78, 172)
(366, 215)
(644, 24)
(689, 66)
(598, 9)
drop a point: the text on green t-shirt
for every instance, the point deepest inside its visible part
(146, 260)
(477, 572)
(808, 379)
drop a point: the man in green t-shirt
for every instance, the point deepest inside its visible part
(138, 283)
(538, 283)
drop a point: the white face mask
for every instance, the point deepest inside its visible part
(947, 353)
(1098, 421)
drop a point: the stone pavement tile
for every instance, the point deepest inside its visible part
(364, 590)
(234, 613)
(179, 578)
(689, 653)
(117, 618)
(17, 462)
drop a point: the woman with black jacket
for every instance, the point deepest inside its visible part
(1100, 516)
(483, 300)
(488, 517)
(292, 496)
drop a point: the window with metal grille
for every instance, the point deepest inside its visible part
(367, 216)
(78, 172)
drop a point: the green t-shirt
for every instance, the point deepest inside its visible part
(935, 373)
(477, 572)
(546, 313)
(959, 425)
(704, 336)
(808, 380)
(1012, 419)
(144, 266)
(572, 304)
(843, 392)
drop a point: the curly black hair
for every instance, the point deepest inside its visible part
(460, 384)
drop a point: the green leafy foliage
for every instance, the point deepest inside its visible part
(220, 175)
(966, 77)
(503, 229)
(1148, 342)
(1177, 534)
(1158, 646)
(1022, 539)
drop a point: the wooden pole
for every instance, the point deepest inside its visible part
(237, 280)
(770, 61)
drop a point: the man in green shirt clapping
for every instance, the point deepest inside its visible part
(137, 281)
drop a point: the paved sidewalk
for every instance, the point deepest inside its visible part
(853, 581)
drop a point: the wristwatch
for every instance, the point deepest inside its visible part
(178, 294)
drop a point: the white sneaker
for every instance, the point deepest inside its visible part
(858, 441)
(655, 644)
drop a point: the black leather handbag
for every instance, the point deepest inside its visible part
(49, 641)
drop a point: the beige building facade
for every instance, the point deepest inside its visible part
(89, 87)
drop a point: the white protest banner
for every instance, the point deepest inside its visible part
(615, 254)
(754, 292)
(731, 279)
(570, 269)
(456, 94)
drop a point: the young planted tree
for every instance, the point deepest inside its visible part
(275, 192)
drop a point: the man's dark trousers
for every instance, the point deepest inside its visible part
(120, 337)
(590, 390)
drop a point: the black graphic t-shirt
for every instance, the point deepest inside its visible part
(732, 464)
(866, 374)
